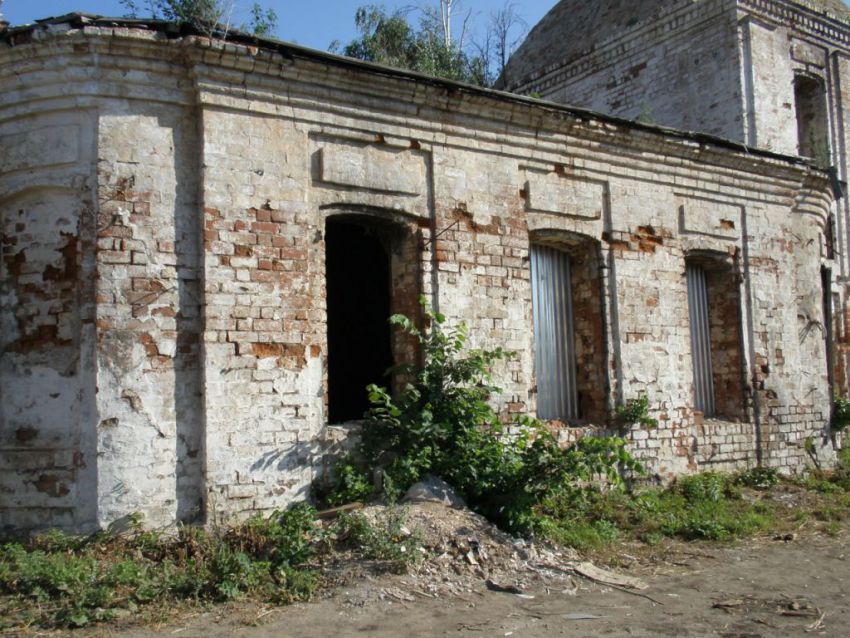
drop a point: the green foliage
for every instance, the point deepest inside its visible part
(844, 459)
(840, 413)
(352, 484)
(635, 412)
(384, 38)
(41, 576)
(194, 12)
(284, 539)
(700, 507)
(55, 541)
(203, 14)
(582, 535)
(64, 581)
(263, 22)
(760, 478)
(836, 481)
(443, 423)
(711, 487)
(390, 39)
(386, 539)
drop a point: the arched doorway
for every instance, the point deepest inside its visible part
(359, 304)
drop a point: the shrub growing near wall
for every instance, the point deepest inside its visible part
(443, 423)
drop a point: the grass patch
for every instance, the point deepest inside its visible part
(704, 507)
(62, 581)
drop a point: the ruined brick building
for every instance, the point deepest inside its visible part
(202, 239)
(772, 74)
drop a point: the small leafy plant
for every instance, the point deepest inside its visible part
(635, 412)
(840, 413)
(351, 483)
(760, 478)
(385, 539)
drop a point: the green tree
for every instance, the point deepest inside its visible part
(203, 14)
(384, 38)
(263, 22)
(431, 46)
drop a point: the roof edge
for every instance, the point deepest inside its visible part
(17, 36)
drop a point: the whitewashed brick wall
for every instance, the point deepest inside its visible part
(190, 318)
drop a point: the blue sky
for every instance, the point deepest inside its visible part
(314, 24)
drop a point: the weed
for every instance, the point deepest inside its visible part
(829, 514)
(708, 486)
(700, 507)
(635, 412)
(64, 581)
(820, 483)
(386, 539)
(760, 478)
(581, 535)
(840, 413)
(352, 484)
(844, 458)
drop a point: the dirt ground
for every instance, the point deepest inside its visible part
(759, 588)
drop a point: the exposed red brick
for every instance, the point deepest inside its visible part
(266, 350)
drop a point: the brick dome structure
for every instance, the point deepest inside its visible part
(573, 28)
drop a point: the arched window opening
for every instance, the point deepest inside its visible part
(714, 318)
(812, 123)
(569, 343)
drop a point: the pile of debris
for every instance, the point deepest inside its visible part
(463, 553)
(462, 550)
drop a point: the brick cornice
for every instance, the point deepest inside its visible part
(801, 18)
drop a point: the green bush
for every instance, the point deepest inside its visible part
(706, 487)
(443, 423)
(352, 483)
(635, 412)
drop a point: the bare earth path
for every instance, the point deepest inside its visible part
(761, 588)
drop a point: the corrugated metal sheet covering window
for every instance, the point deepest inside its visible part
(700, 340)
(554, 345)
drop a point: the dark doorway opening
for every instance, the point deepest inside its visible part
(358, 301)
